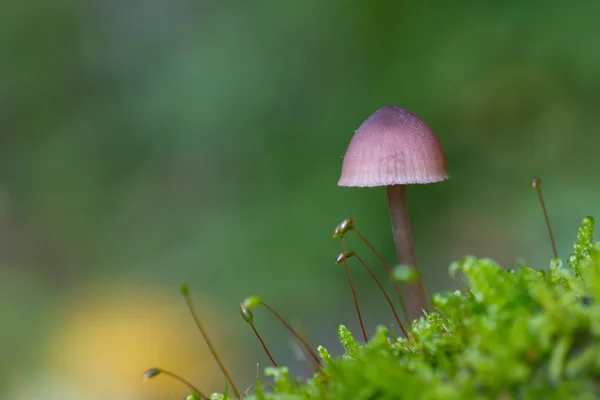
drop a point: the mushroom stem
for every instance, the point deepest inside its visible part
(415, 293)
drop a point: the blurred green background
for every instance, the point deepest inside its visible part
(144, 144)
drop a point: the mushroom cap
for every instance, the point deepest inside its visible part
(393, 147)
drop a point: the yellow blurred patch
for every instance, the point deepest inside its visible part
(110, 337)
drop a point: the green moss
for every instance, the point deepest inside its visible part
(511, 334)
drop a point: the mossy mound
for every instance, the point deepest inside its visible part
(511, 334)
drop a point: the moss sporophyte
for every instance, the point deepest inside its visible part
(518, 333)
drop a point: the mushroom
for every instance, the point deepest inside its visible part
(393, 148)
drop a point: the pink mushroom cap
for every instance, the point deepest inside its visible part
(393, 147)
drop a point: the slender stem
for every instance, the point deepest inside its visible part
(185, 382)
(384, 293)
(536, 185)
(387, 269)
(360, 321)
(405, 249)
(264, 346)
(293, 332)
(196, 317)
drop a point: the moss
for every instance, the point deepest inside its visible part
(512, 334)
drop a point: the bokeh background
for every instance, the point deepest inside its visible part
(145, 144)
